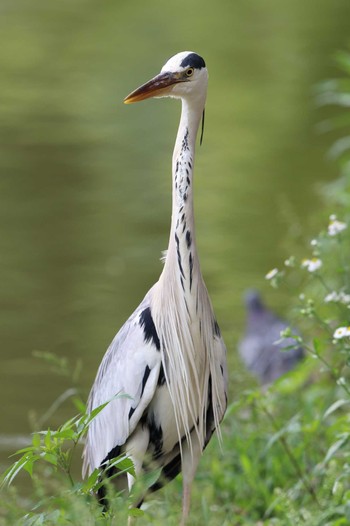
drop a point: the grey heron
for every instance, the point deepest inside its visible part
(169, 356)
(262, 349)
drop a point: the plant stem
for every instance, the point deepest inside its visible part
(292, 458)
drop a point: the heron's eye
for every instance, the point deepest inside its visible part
(189, 72)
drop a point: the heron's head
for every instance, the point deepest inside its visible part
(184, 76)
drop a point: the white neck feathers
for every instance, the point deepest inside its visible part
(181, 306)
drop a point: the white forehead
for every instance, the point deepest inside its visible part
(174, 63)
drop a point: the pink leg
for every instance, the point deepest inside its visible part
(190, 459)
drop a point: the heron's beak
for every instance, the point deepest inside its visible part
(156, 87)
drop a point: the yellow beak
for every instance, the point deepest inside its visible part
(156, 87)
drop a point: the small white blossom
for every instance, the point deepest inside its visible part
(314, 242)
(341, 332)
(332, 296)
(344, 298)
(286, 333)
(272, 274)
(335, 226)
(338, 297)
(290, 261)
(311, 264)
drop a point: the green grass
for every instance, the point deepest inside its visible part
(283, 461)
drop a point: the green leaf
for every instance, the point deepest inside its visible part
(64, 434)
(135, 512)
(16, 467)
(148, 479)
(317, 345)
(336, 405)
(335, 447)
(28, 466)
(79, 404)
(47, 438)
(246, 464)
(123, 464)
(50, 458)
(29, 449)
(36, 440)
(90, 483)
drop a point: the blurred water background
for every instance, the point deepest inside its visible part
(85, 180)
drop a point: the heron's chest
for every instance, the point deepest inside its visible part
(161, 422)
(165, 428)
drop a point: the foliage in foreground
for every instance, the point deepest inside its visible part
(285, 458)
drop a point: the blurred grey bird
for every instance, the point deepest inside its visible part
(262, 347)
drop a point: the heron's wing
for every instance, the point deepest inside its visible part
(221, 354)
(127, 377)
(218, 387)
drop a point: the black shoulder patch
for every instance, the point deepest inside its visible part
(150, 333)
(108, 472)
(155, 436)
(145, 378)
(194, 61)
(170, 471)
(161, 377)
(115, 452)
(216, 328)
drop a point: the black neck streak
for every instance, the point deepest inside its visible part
(184, 218)
(183, 171)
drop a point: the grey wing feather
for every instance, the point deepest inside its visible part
(130, 367)
(222, 362)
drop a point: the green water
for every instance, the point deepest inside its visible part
(85, 180)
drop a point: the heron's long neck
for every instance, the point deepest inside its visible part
(182, 264)
(181, 307)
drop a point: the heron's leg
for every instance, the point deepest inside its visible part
(190, 459)
(186, 503)
(136, 448)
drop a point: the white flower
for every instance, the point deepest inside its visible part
(341, 332)
(290, 261)
(336, 297)
(272, 274)
(335, 226)
(311, 264)
(344, 298)
(314, 242)
(332, 296)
